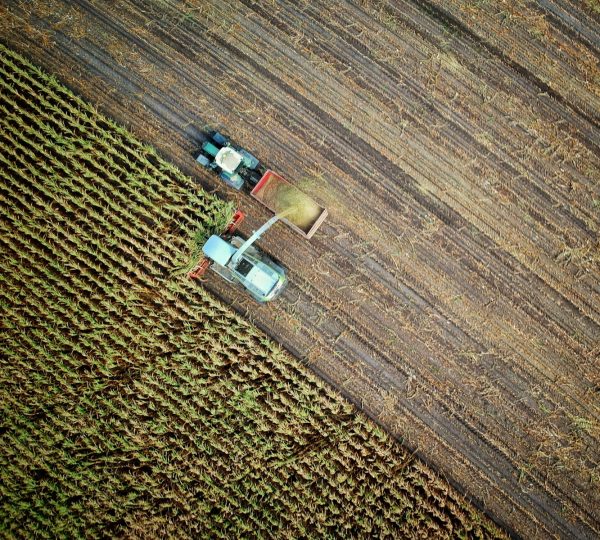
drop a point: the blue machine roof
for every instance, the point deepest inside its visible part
(218, 250)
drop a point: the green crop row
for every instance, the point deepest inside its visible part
(133, 403)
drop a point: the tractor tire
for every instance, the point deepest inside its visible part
(219, 139)
(203, 160)
(253, 178)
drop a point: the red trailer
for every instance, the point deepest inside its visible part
(292, 205)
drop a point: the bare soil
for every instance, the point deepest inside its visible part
(454, 290)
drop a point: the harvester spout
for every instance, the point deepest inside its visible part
(255, 236)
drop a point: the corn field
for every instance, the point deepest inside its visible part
(136, 404)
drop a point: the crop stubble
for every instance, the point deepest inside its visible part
(453, 292)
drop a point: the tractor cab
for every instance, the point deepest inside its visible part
(228, 159)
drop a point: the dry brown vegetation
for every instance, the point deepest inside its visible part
(453, 292)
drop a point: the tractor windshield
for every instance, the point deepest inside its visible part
(244, 267)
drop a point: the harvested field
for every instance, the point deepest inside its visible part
(135, 404)
(453, 291)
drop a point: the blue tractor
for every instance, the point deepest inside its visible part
(234, 165)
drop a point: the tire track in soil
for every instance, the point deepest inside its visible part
(362, 345)
(568, 18)
(444, 15)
